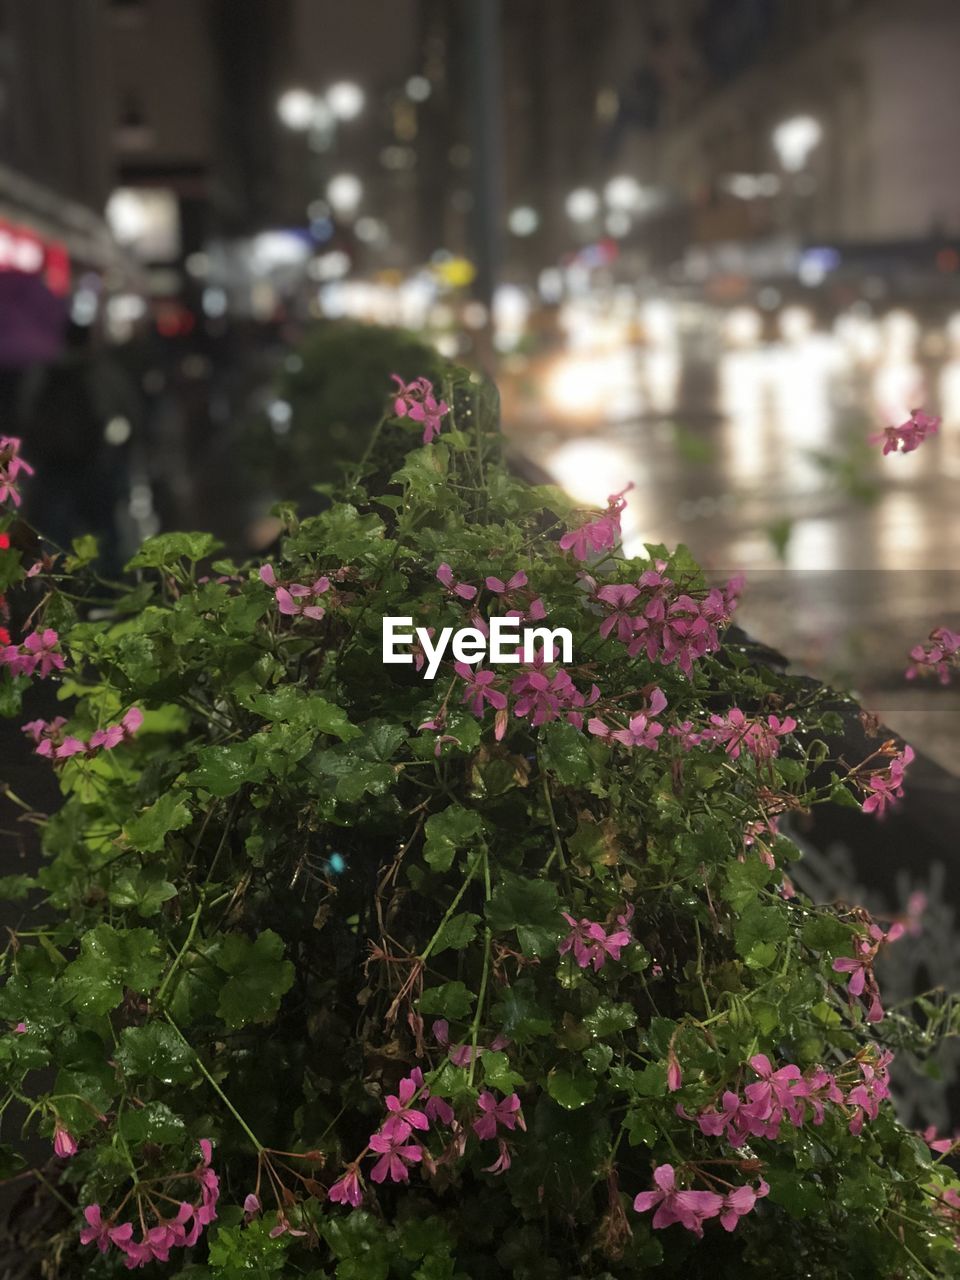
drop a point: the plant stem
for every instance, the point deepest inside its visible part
(471, 871)
(216, 1088)
(481, 995)
(191, 934)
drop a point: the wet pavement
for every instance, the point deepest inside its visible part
(756, 455)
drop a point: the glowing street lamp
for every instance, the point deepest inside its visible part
(622, 192)
(344, 192)
(345, 99)
(582, 204)
(296, 109)
(794, 139)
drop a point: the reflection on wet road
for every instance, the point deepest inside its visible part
(756, 454)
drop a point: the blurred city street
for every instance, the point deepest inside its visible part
(756, 453)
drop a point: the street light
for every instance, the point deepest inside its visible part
(622, 192)
(296, 109)
(345, 191)
(523, 220)
(582, 204)
(794, 139)
(345, 99)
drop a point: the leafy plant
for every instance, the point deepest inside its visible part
(339, 971)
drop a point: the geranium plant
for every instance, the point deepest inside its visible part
(335, 970)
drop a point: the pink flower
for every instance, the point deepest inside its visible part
(686, 735)
(290, 599)
(886, 787)
(506, 1112)
(50, 740)
(439, 1110)
(114, 734)
(502, 1162)
(941, 655)
(102, 1233)
(417, 401)
(591, 944)
(909, 435)
(40, 650)
(251, 1204)
(643, 730)
(11, 466)
(690, 1208)
(860, 967)
(403, 1115)
(618, 600)
(395, 1156)
(777, 1091)
(739, 1202)
(346, 1190)
(20, 1029)
(64, 1143)
(600, 534)
(480, 689)
(462, 589)
(759, 738)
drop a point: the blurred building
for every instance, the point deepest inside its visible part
(824, 123)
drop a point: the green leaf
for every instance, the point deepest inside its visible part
(166, 550)
(446, 832)
(148, 831)
(154, 1122)
(223, 770)
(451, 1000)
(458, 932)
(497, 1072)
(259, 977)
(571, 1091)
(519, 1015)
(759, 929)
(154, 1052)
(826, 933)
(531, 907)
(16, 888)
(565, 754)
(610, 1018)
(108, 962)
(144, 888)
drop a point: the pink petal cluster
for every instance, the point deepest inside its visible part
(461, 1055)
(494, 1115)
(417, 401)
(643, 729)
(53, 744)
(786, 1093)
(181, 1231)
(521, 602)
(941, 654)
(885, 787)
(599, 534)
(12, 466)
(863, 984)
(590, 942)
(294, 597)
(38, 654)
(690, 1208)
(540, 698)
(740, 732)
(651, 616)
(462, 590)
(909, 435)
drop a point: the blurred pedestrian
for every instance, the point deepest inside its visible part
(78, 415)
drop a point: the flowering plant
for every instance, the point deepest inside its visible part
(340, 972)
